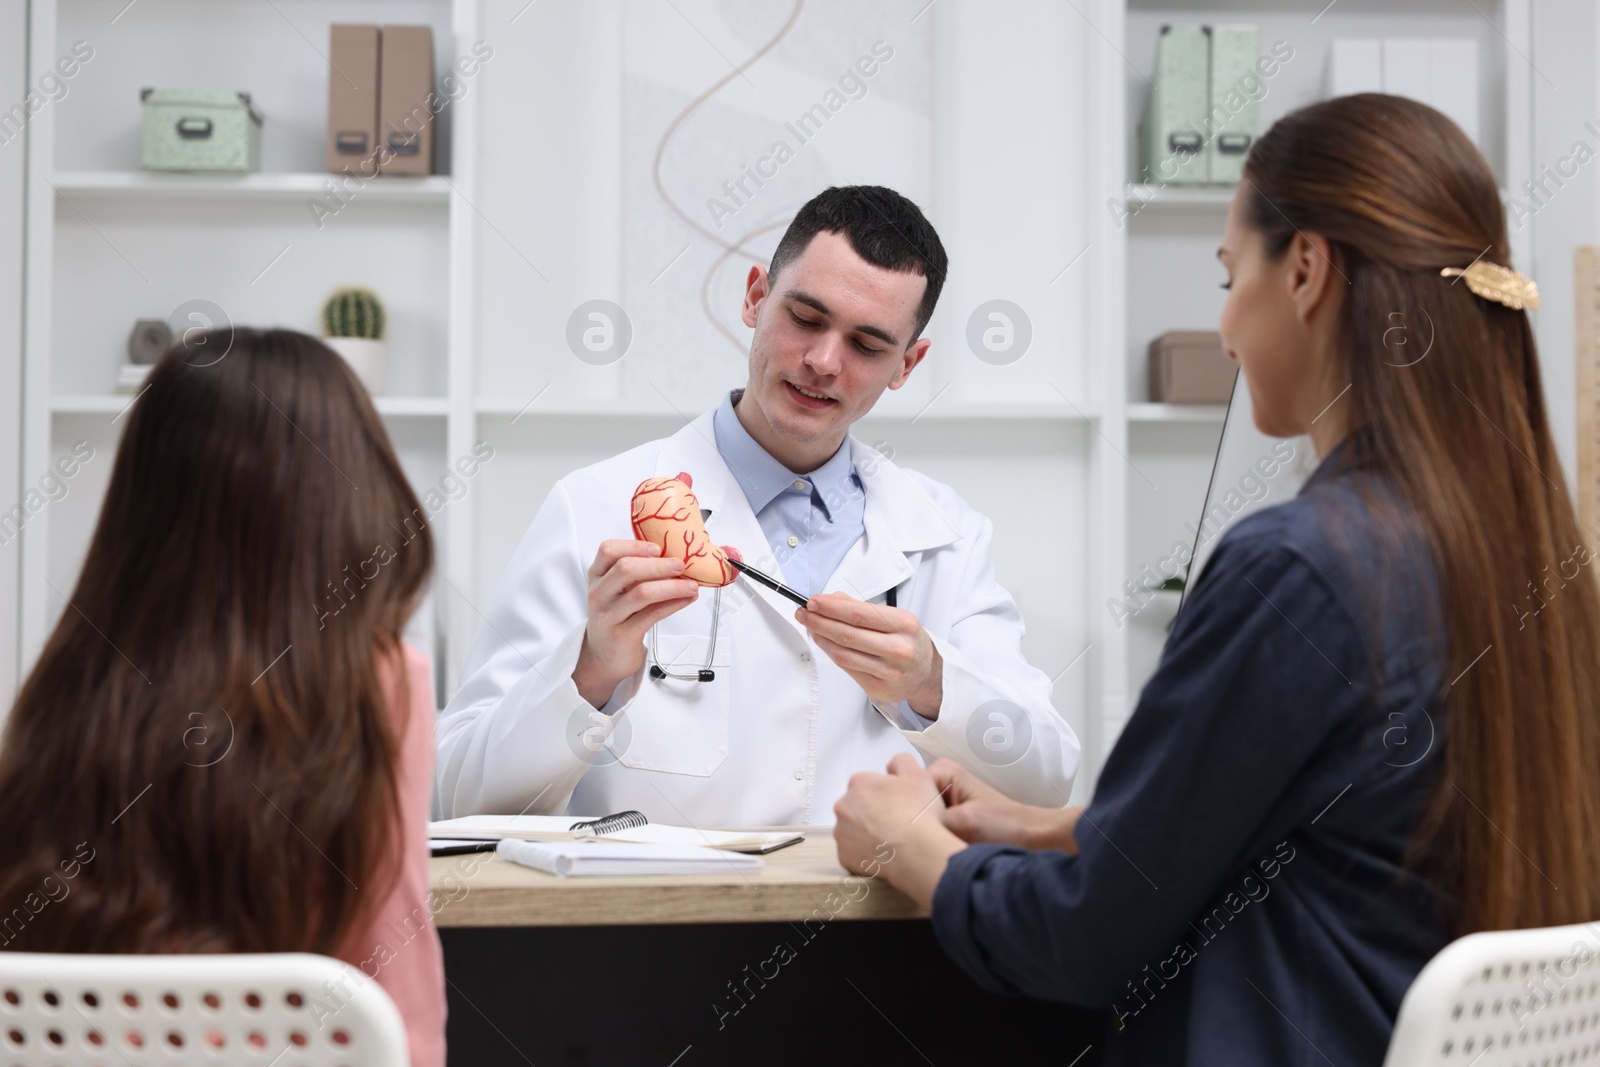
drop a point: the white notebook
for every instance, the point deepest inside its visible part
(597, 857)
(612, 828)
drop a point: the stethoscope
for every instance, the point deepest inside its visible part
(706, 674)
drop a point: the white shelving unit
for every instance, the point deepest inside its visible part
(1169, 277)
(108, 244)
(482, 264)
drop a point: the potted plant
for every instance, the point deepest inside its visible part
(353, 323)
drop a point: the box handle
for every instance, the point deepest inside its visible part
(1185, 143)
(194, 129)
(405, 144)
(1233, 144)
(350, 141)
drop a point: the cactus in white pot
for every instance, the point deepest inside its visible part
(353, 322)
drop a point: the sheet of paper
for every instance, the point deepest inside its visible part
(616, 858)
(492, 827)
(732, 840)
(558, 828)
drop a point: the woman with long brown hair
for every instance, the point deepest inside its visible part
(225, 746)
(1376, 723)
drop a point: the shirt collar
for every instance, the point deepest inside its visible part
(760, 475)
(834, 480)
(1353, 452)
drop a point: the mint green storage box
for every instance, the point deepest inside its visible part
(1235, 111)
(200, 130)
(1173, 134)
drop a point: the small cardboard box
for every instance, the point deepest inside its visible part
(1189, 367)
(406, 120)
(352, 98)
(200, 129)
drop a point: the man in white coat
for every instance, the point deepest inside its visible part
(602, 680)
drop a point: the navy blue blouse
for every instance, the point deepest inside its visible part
(1240, 895)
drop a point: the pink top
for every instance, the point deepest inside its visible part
(401, 948)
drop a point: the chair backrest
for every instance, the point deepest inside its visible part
(1503, 998)
(74, 1010)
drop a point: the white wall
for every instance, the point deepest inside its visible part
(13, 210)
(986, 116)
(572, 214)
(1566, 95)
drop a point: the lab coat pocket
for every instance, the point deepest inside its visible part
(680, 726)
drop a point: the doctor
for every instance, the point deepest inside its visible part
(603, 680)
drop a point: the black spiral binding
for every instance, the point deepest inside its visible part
(622, 820)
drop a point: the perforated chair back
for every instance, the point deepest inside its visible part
(285, 1009)
(1511, 998)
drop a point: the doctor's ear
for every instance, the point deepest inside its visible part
(909, 361)
(755, 291)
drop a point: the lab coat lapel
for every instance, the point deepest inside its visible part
(693, 449)
(899, 519)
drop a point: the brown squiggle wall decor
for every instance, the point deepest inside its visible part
(728, 249)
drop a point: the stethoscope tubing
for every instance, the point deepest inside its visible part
(704, 674)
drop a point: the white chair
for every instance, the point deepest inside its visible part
(279, 1008)
(1512, 997)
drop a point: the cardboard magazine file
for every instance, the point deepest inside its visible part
(352, 98)
(406, 122)
(1189, 367)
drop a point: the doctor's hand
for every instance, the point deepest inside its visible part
(631, 588)
(884, 649)
(978, 812)
(889, 826)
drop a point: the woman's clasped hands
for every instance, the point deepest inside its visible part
(923, 816)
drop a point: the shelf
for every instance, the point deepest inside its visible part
(1177, 412)
(577, 409)
(934, 412)
(145, 185)
(1142, 197)
(417, 407)
(994, 410)
(116, 403)
(1210, 9)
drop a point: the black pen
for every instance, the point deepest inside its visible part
(771, 583)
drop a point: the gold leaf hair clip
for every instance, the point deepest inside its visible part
(1500, 284)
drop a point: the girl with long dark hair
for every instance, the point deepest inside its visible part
(1376, 723)
(225, 742)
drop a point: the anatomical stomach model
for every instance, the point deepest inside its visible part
(667, 514)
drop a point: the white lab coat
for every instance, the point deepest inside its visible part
(774, 738)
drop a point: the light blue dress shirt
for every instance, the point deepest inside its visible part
(811, 520)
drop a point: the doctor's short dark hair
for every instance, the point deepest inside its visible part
(883, 227)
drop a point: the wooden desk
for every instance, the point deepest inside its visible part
(772, 968)
(797, 883)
